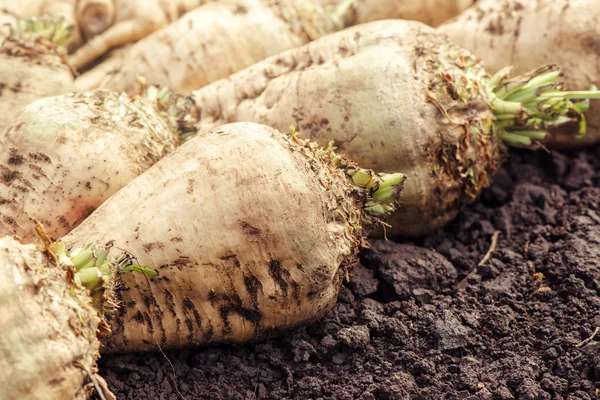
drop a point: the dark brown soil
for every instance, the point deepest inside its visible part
(406, 328)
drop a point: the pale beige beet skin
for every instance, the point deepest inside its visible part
(214, 41)
(48, 337)
(30, 70)
(11, 10)
(431, 12)
(366, 88)
(250, 233)
(63, 156)
(529, 33)
(115, 23)
(20, 9)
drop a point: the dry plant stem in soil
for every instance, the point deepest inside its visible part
(262, 231)
(33, 65)
(65, 155)
(216, 40)
(527, 34)
(397, 95)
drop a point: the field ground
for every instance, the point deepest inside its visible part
(426, 322)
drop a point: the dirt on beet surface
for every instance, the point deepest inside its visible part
(423, 321)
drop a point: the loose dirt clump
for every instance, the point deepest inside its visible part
(423, 321)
